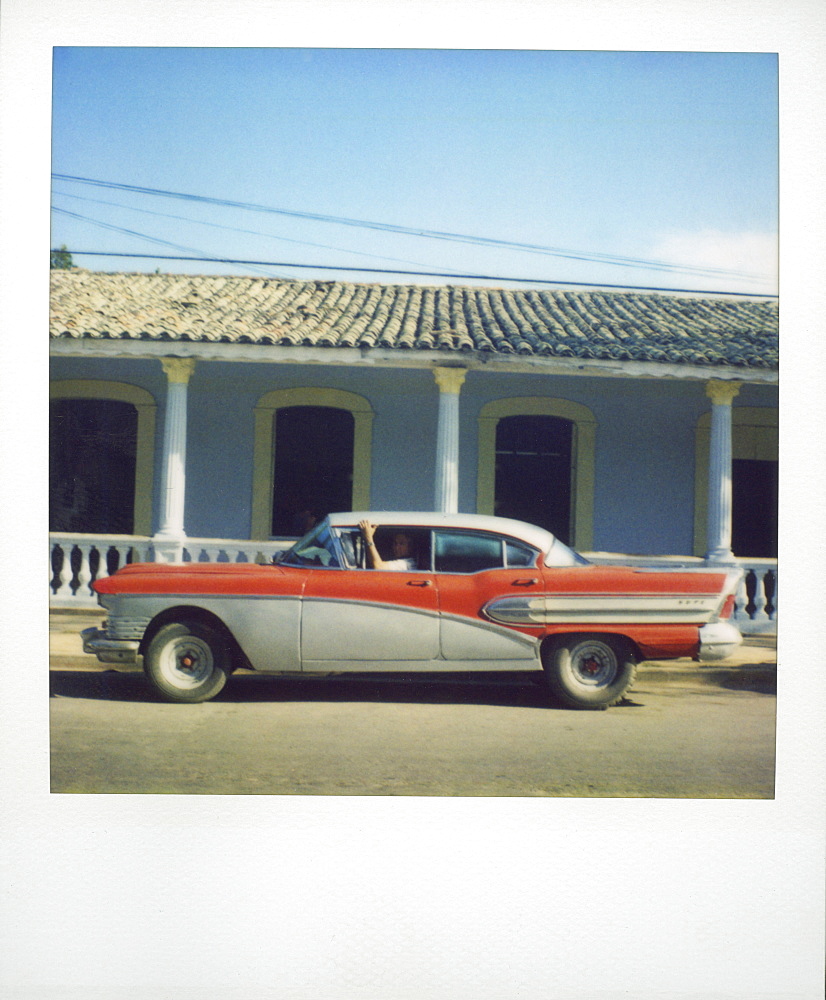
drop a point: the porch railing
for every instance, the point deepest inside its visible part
(76, 561)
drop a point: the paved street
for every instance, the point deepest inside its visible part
(684, 732)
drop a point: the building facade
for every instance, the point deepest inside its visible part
(197, 412)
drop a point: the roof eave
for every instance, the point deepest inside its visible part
(408, 359)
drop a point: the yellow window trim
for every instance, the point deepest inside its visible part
(754, 435)
(582, 456)
(264, 446)
(144, 402)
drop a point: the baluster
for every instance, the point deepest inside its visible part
(212, 553)
(741, 601)
(64, 573)
(84, 574)
(122, 552)
(53, 547)
(103, 560)
(760, 597)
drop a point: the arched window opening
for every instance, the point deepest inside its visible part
(92, 466)
(311, 456)
(536, 463)
(312, 466)
(533, 471)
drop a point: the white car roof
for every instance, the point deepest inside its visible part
(538, 537)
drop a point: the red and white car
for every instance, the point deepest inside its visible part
(483, 593)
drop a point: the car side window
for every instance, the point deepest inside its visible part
(467, 552)
(519, 554)
(353, 548)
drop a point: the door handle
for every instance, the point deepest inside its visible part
(532, 582)
(419, 583)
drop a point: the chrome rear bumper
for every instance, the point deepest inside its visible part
(718, 640)
(109, 650)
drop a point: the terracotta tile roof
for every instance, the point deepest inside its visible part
(619, 326)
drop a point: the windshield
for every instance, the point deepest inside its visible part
(317, 548)
(560, 555)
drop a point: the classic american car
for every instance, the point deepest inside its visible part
(475, 593)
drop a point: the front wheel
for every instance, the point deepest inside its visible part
(187, 662)
(588, 671)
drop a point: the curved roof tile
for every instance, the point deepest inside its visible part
(633, 326)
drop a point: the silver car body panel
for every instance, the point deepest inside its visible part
(268, 629)
(348, 630)
(465, 639)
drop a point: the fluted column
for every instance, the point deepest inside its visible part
(446, 496)
(721, 395)
(169, 539)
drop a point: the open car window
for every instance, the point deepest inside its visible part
(352, 548)
(355, 554)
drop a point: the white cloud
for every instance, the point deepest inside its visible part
(749, 259)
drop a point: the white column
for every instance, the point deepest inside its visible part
(446, 496)
(719, 471)
(169, 539)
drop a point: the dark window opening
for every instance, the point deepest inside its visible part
(754, 508)
(313, 466)
(93, 445)
(533, 471)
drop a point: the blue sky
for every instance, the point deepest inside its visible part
(668, 157)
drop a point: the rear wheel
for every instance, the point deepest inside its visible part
(589, 671)
(188, 661)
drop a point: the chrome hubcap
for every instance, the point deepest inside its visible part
(594, 664)
(186, 661)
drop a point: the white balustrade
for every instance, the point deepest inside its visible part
(77, 561)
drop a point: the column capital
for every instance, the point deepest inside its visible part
(722, 393)
(178, 370)
(449, 379)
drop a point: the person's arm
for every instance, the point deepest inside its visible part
(368, 532)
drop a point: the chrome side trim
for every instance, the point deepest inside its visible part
(546, 609)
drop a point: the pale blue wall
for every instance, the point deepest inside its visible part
(644, 493)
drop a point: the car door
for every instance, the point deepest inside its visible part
(369, 619)
(474, 569)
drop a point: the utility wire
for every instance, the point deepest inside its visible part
(232, 229)
(591, 257)
(424, 274)
(143, 236)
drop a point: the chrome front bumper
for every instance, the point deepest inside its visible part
(109, 650)
(718, 640)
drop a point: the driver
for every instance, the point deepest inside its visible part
(402, 549)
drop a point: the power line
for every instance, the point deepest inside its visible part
(591, 257)
(142, 236)
(377, 270)
(218, 225)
